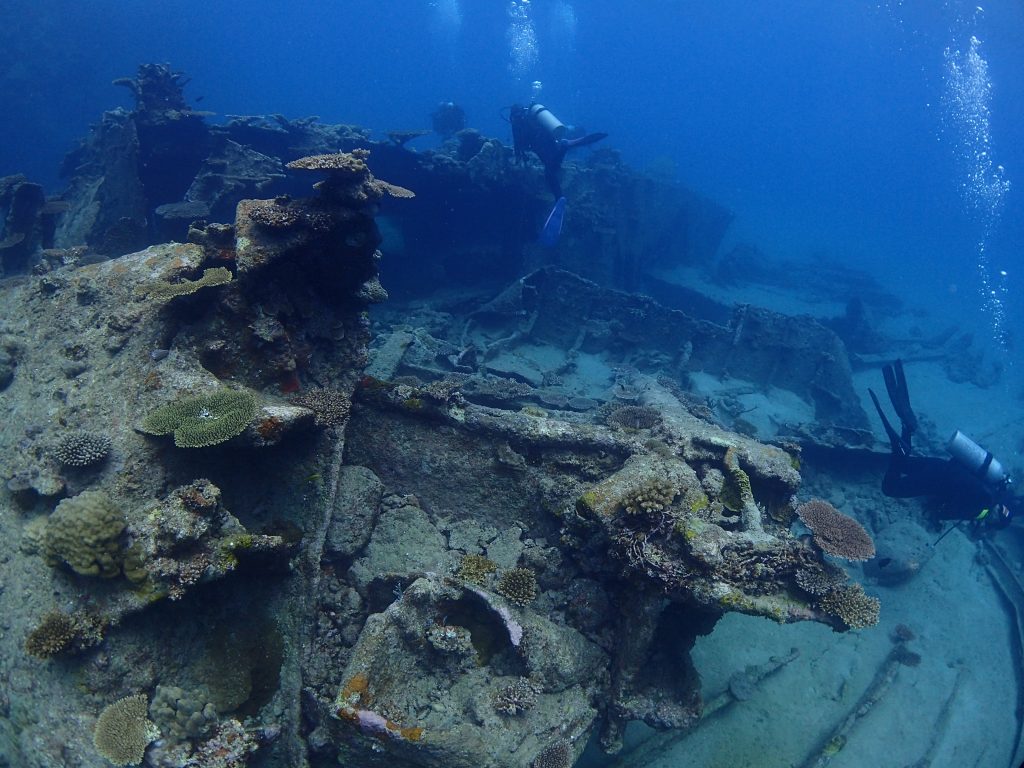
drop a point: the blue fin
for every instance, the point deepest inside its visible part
(553, 226)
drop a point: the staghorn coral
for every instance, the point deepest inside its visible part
(475, 569)
(163, 290)
(654, 496)
(123, 731)
(204, 420)
(330, 406)
(837, 534)
(634, 417)
(84, 533)
(849, 603)
(60, 633)
(557, 754)
(515, 698)
(82, 449)
(518, 586)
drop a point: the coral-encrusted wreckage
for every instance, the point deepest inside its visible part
(438, 549)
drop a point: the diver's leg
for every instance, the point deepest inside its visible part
(912, 476)
(552, 174)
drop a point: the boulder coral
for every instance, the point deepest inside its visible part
(84, 533)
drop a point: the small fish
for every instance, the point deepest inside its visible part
(314, 478)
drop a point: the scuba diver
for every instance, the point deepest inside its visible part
(448, 119)
(536, 129)
(971, 485)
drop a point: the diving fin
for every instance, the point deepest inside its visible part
(582, 141)
(899, 447)
(553, 226)
(899, 395)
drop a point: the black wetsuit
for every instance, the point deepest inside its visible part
(959, 494)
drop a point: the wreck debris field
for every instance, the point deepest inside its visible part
(534, 384)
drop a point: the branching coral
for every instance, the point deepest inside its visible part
(654, 496)
(330, 406)
(856, 609)
(836, 533)
(634, 417)
(82, 449)
(123, 731)
(515, 698)
(819, 580)
(273, 214)
(205, 420)
(518, 586)
(63, 633)
(558, 754)
(475, 569)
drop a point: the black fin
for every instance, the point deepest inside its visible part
(909, 418)
(899, 396)
(895, 441)
(583, 141)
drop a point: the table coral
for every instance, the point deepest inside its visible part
(838, 534)
(204, 420)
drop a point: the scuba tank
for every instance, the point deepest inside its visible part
(976, 459)
(547, 120)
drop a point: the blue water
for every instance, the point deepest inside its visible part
(832, 129)
(822, 125)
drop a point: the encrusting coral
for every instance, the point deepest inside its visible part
(164, 290)
(204, 420)
(837, 534)
(123, 731)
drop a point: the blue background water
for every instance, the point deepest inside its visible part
(821, 124)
